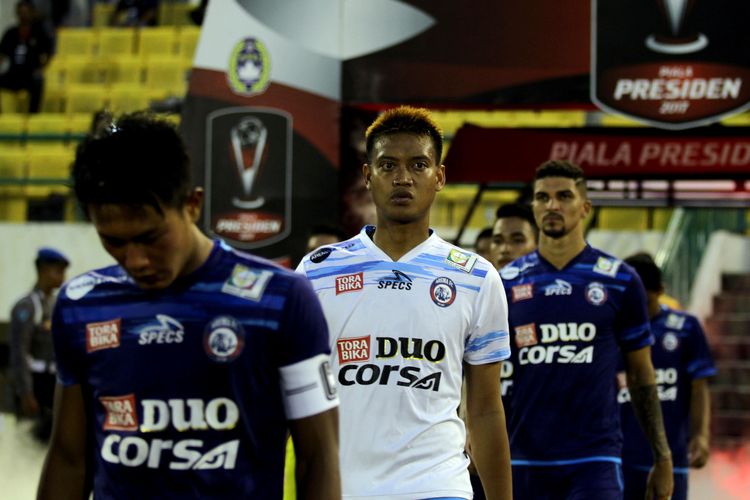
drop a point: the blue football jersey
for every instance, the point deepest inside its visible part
(680, 355)
(567, 329)
(182, 386)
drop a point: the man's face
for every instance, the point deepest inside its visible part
(558, 206)
(155, 249)
(482, 248)
(53, 273)
(319, 240)
(403, 176)
(512, 237)
(24, 13)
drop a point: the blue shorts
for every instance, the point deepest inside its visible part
(635, 483)
(582, 481)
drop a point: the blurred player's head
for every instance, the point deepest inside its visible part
(322, 234)
(25, 12)
(514, 234)
(483, 243)
(560, 199)
(650, 275)
(133, 181)
(403, 170)
(50, 268)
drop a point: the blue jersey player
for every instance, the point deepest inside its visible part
(182, 367)
(682, 362)
(572, 310)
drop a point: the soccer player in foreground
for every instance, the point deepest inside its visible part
(181, 367)
(408, 312)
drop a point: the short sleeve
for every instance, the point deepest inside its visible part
(633, 329)
(305, 331)
(488, 340)
(700, 363)
(70, 361)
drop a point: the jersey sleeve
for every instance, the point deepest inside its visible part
(633, 328)
(308, 387)
(488, 340)
(700, 363)
(69, 359)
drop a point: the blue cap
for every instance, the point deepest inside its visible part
(49, 254)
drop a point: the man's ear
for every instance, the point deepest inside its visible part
(194, 203)
(440, 178)
(366, 173)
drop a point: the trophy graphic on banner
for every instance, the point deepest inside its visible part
(676, 42)
(248, 139)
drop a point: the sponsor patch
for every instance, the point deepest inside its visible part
(443, 291)
(398, 281)
(353, 349)
(460, 260)
(675, 321)
(224, 339)
(247, 283)
(526, 335)
(165, 330)
(350, 283)
(103, 335)
(320, 255)
(670, 342)
(79, 287)
(607, 267)
(559, 287)
(509, 272)
(523, 292)
(120, 413)
(596, 294)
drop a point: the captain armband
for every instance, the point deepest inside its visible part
(308, 387)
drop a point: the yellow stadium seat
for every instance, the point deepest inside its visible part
(128, 98)
(187, 41)
(623, 219)
(157, 41)
(125, 69)
(13, 165)
(85, 98)
(80, 124)
(49, 171)
(116, 42)
(166, 75)
(12, 129)
(75, 41)
(54, 72)
(102, 14)
(12, 101)
(53, 99)
(47, 128)
(181, 14)
(166, 13)
(83, 70)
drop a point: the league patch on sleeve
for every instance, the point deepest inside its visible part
(607, 267)
(675, 321)
(247, 283)
(460, 260)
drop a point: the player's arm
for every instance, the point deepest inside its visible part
(647, 407)
(64, 472)
(316, 445)
(485, 418)
(700, 416)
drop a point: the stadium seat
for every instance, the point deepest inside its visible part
(13, 165)
(80, 124)
(12, 101)
(54, 72)
(127, 98)
(83, 70)
(187, 41)
(116, 42)
(85, 98)
(50, 168)
(47, 128)
(157, 41)
(125, 69)
(623, 219)
(53, 99)
(102, 13)
(181, 14)
(166, 75)
(12, 129)
(75, 41)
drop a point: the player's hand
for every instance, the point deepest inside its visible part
(29, 405)
(698, 451)
(660, 480)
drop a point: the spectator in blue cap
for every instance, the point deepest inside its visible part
(31, 353)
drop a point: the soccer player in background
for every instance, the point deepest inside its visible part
(573, 309)
(683, 363)
(181, 367)
(514, 234)
(482, 243)
(408, 312)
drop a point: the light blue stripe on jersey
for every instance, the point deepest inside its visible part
(439, 261)
(646, 468)
(497, 355)
(574, 461)
(479, 343)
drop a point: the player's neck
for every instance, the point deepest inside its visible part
(202, 246)
(560, 251)
(396, 240)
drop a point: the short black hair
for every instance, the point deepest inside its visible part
(521, 211)
(328, 229)
(647, 269)
(405, 119)
(484, 233)
(139, 159)
(562, 168)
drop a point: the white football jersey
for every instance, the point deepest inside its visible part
(399, 334)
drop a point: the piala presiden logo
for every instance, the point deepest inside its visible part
(673, 64)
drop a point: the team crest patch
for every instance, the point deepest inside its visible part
(247, 283)
(670, 342)
(353, 349)
(607, 267)
(596, 294)
(350, 283)
(460, 260)
(675, 321)
(522, 292)
(526, 335)
(443, 291)
(224, 339)
(103, 335)
(120, 413)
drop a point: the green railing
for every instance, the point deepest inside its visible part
(685, 241)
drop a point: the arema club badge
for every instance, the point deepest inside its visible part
(673, 64)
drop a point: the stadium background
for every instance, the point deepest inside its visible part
(505, 80)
